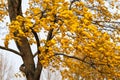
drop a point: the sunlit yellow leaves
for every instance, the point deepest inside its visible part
(79, 4)
(46, 1)
(47, 52)
(91, 1)
(101, 2)
(51, 42)
(37, 28)
(28, 23)
(15, 25)
(106, 36)
(88, 16)
(46, 55)
(64, 41)
(50, 18)
(117, 57)
(85, 9)
(86, 35)
(36, 1)
(20, 18)
(85, 21)
(101, 49)
(92, 27)
(24, 21)
(36, 11)
(21, 32)
(66, 14)
(79, 47)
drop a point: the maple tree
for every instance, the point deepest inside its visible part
(82, 37)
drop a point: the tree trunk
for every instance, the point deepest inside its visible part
(32, 73)
(27, 58)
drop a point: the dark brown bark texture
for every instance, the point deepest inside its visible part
(32, 72)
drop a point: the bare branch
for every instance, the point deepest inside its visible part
(83, 60)
(35, 54)
(11, 50)
(98, 21)
(93, 8)
(92, 64)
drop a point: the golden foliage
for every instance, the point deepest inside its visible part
(86, 30)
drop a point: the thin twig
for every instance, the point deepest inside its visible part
(83, 60)
(98, 21)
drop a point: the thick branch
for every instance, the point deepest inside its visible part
(14, 8)
(11, 50)
(37, 40)
(38, 71)
(49, 36)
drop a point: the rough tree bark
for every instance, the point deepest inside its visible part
(32, 72)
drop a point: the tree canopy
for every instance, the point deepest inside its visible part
(82, 36)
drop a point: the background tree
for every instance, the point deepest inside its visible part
(6, 70)
(80, 35)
